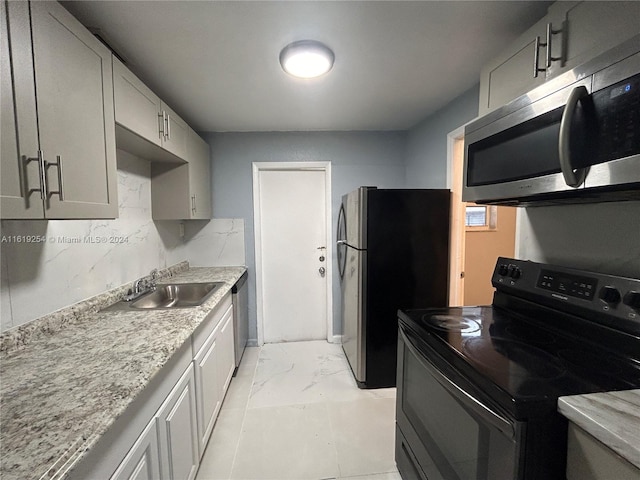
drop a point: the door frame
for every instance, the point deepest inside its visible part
(301, 167)
(457, 231)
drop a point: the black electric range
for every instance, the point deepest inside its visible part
(550, 332)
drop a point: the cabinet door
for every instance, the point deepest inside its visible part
(513, 73)
(177, 430)
(589, 29)
(20, 191)
(143, 460)
(199, 177)
(227, 356)
(208, 387)
(176, 133)
(137, 108)
(74, 91)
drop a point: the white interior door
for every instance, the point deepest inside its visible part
(292, 270)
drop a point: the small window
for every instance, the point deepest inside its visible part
(480, 217)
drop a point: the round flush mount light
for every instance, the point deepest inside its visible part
(306, 59)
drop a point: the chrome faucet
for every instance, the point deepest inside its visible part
(142, 285)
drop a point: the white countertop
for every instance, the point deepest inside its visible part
(611, 417)
(66, 380)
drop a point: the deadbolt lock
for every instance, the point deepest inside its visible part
(321, 258)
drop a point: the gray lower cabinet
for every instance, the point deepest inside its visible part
(210, 385)
(143, 460)
(212, 365)
(589, 459)
(164, 432)
(60, 159)
(177, 431)
(227, 362)
(572, 32)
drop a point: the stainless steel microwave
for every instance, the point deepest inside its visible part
(574, 139)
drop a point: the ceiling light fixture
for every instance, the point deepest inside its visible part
(306, 59)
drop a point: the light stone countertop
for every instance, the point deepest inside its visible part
(63, 382)
(613, 418)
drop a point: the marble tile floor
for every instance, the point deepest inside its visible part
(294, 412)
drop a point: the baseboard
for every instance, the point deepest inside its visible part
(252, 342)
(336, 339)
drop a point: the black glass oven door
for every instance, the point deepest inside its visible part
(455, 436)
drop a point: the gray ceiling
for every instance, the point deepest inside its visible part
(216, 62)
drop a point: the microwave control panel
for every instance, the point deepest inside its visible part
(617, 110)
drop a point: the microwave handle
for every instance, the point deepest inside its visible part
(572, 178)
(471, 403)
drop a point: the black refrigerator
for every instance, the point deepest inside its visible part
(393, 253)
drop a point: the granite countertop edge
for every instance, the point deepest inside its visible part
(55, 406)
(613, 418)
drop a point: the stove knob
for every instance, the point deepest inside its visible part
(632, 299)
(516, 273)
(503, 270)
(610, 295)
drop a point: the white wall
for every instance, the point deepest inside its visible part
(216, 243)
(39, 278)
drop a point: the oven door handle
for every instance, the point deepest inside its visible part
(495, 419)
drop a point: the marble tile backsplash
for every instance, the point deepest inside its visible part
(77, 259)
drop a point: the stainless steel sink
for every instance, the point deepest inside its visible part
(174, 295)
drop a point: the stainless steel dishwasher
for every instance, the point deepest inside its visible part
(240, 297)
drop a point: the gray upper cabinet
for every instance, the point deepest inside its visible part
(21, 194)
(58, 65)
(147, 127)
(199, 176)
(142, 112)
(589, 29)
(570, 34)
(514, 72)
(137, 108)
(175, 132)
(183, 192)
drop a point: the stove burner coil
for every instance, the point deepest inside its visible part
(452, 323)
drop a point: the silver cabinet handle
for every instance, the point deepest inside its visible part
(163, 126)
(43, 175)
(572, 178)
(536, 57)
(25, 191)
(168, 127)
(193, 204)
(547, 44)
(550, 33)
(60, 191)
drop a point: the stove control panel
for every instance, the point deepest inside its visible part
(570, 289)
(566, 284)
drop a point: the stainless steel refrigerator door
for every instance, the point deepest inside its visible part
(353, 311)
(355, 204)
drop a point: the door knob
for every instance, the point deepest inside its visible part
(322, 271)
